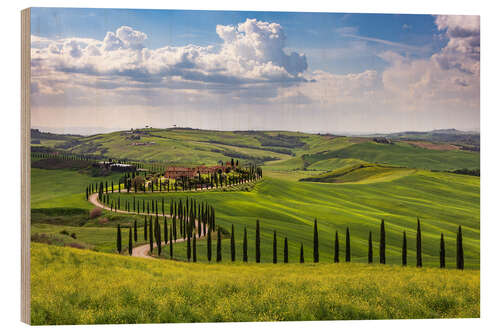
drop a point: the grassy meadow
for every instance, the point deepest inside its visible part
(343, 182)
(71, 286)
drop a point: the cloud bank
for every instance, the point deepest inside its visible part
(251, 70)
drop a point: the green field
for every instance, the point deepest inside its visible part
(343, 182)
(442, 201)
(72, 286)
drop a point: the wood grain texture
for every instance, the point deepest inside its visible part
(25, 163)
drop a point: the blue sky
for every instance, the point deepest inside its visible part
(304, 30)
(331, 48)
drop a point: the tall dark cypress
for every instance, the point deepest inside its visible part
(336, 249)
(442, 253)
(347, 246)
(194, 246)
(285, 251)
(174, 226)
(419, 244)
(151, 236)
(245, 245)
(460, 249)
(165, 229)
(209, 246)
(118, 239)
(370, 248)
(301, 253)
(316, 242)
(382, 242)
(130, 240)
(145, 228)
(257, 242)
(171, 244)
(219, 246)
(404, 252)
(158, 236)
(275, 251)
(188, 247)
(135, 231)
(233, 249)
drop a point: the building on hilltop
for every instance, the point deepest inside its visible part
(122, 167)
(178, 172)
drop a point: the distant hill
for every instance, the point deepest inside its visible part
(282, 150)
(466, 140)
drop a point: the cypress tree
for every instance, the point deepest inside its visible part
(233, 249)
(301, 253)
(209, 246)
(275, 252)
(174, 226)
(219, 246)
(135, 231)
(337, 246)
(151, 236)
(171, 244)
(257, 242)
(404, 253)
(347, 246)
(245, 245)
(285, 251)
(442, 252)
(130, 240)
(118, 239)
(189, 247)
(194, 247)
(145, 228)
(165, 229)
(419, 244)
(316, 241)
(370, 248)
(382, 242)
(460, 249)
(158, 236)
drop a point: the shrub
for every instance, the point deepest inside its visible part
(73, 235)
(64, 232)
(95, 212)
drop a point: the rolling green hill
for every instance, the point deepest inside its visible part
(72, 286)
(441, 200)
(402, 154)
(280, 150)
(361, 173)
(346, 182)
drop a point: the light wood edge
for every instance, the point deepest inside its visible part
(25, 165)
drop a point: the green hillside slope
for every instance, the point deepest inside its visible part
(361, 173)
(403, 154)
(441, 200)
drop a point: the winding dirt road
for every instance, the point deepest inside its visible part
(141, 251)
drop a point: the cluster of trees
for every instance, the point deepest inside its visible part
(134, 181)
(470, 172)
(189, 219)
(63, 156)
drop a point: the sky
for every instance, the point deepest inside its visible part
(99, 70)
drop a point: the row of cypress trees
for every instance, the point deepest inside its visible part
(154, 231)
